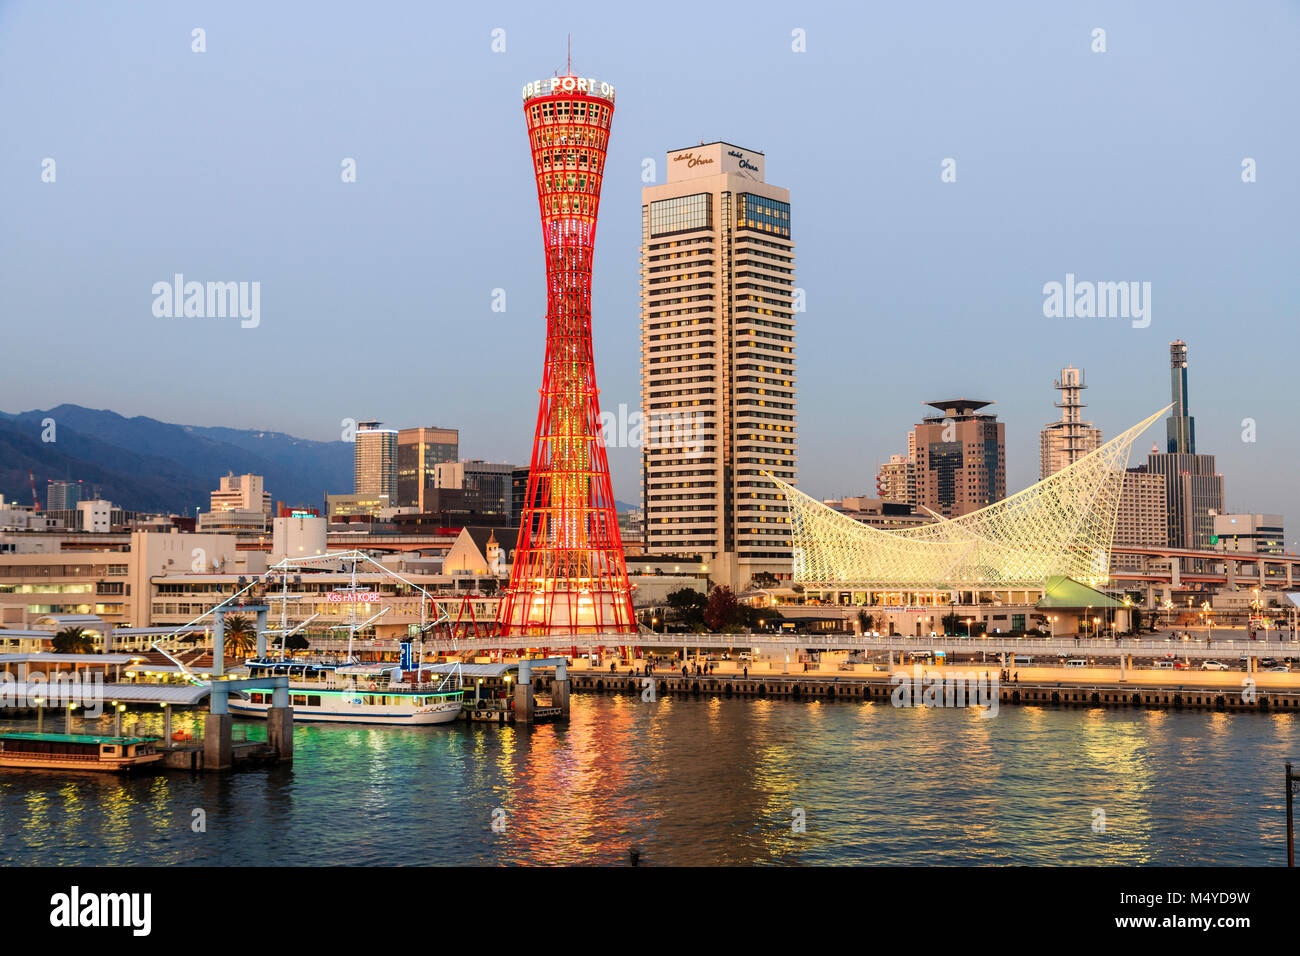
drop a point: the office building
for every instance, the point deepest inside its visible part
(1140, 520)
(1251, 533)
(490, 485)
(718, 391)
(62, 495)
(375, 459)
(419, 450)
(960, 458)
(1065, 441)
(241, 493)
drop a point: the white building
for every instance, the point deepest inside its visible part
(1255, 534)
(241, 493)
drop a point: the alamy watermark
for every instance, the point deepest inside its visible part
(208, 300)
(1098, 300)
(677, 430)
(55, 691)
(923, 688)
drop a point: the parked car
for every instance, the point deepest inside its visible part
(1076, 662)
(1181, 665)
(1165, 665)
(1213, 666)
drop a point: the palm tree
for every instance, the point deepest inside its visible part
(239, 637)
(72, 640)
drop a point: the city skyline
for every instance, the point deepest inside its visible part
(950, 274)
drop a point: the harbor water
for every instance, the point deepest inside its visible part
(696, 781)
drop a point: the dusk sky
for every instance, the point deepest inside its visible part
(376, 296)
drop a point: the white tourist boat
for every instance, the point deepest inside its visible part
(356, 693)
(409, 693)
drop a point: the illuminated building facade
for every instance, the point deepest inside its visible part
(568, 575)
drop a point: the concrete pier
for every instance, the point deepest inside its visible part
(560, 696)
(524, 702)
(217, 751)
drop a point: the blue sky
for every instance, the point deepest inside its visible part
(376, 295)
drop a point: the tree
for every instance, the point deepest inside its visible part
(72, 640)
(239, 637)
(721, 608)
(687, 606)
(951, 622)
(488, 586)
(865, 621)
(296, 642)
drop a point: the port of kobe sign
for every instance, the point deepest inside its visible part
(569, 84)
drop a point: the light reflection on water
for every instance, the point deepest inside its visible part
(708, 781)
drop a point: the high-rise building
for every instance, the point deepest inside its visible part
(1140, 518)
(375, 459)
(569, 574)
(518, 492)
(419, 450)
(1250, 533)
(1064, 442)
(62, 495)
(896, 480)
(489, 483)
(718, 363)
(960, 458)
(240, 493)
(1193, 486)
(1180, 427)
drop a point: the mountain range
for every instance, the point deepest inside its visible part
(142, 464)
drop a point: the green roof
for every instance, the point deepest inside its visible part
(1066, 592)
(78, 738)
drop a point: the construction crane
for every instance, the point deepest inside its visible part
(36, 504)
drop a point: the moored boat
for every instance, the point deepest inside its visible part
(354, 693)
(31, 751)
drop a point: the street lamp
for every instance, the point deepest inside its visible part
(969, 622)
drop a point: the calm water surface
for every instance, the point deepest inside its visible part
(708, 781)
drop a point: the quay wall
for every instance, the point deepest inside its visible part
(878, 688)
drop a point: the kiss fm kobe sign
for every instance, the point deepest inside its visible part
(712, 159)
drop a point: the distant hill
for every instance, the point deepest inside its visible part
(142, 464)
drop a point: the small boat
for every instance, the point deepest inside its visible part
(77, 752)
(354, 693)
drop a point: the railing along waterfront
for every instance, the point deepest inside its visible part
(1194, 647)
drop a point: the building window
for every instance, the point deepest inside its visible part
(681, 214)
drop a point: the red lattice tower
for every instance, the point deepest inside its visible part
(568, 575)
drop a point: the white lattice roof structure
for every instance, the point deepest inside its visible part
(1063, 525)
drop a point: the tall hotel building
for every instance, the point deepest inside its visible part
(375, 460)
(718, 363)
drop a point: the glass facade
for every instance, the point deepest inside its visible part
(763, 215)
(681, 214)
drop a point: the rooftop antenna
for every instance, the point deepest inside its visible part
(568, 60)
